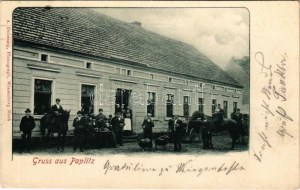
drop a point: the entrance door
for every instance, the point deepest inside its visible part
(122, 99)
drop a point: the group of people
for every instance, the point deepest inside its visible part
(236, 115)
(115, 124)
(27, 124)
(175, 130)
(80, 123)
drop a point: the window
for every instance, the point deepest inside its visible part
(234, 106)
(129, 72)
(200, 84)
(170, 80)
(87, 95)
(214, 87)
(170, 102)
(186, 106)
(151, 103)
(201, 104)
(88, 65)
(118, 70)
(151, 76)
(213, 105)
(123, 72)
(42, 96)
(44, 57)
(225, 107)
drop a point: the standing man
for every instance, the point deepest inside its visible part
(101, 119)
(117, 125)
(90, 112)
(26, 126)
(176, 129)
(238, 117)
(147, 126)
(79, 124)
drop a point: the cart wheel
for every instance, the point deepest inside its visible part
(192, 135)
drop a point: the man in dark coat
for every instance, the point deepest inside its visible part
(147, 126)
(101, 120)
(238, 117)
(176, 128)
(56, 110)
(26, 126)
(218, 116)
(117, 125)
(79, 124)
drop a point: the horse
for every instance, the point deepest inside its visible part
(55, 124)
(215, 124)
(194, 126)
(218, 124)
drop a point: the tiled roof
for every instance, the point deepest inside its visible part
(86, 31)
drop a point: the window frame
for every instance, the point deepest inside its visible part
(167, 95)
(33, 91)
(234, 106)
(213, 105)
(151, 76)
(90, 63)
(203, 104)
(80, 95)
(225, 110)
(189, 105)
(155, 105)
(41, 57)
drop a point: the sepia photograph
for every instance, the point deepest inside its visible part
(149, 94)
(130, 80)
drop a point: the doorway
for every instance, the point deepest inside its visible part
(123, 106)
(122, 100)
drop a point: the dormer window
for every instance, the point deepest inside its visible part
(170, 79)
(44, 57)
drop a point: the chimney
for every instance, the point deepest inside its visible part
(137, 23)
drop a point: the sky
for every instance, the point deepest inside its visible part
(219, 33)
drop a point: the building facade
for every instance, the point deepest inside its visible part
(150, 74)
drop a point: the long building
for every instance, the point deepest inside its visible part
(89, 59)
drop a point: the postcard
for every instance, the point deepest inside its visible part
(152, 94)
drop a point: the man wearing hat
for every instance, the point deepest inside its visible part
(26, 126)
(238, 117)
(176, 129)
(118, 125)
(147, 126)
(79, 124)
(57, 109)
(101, 119)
